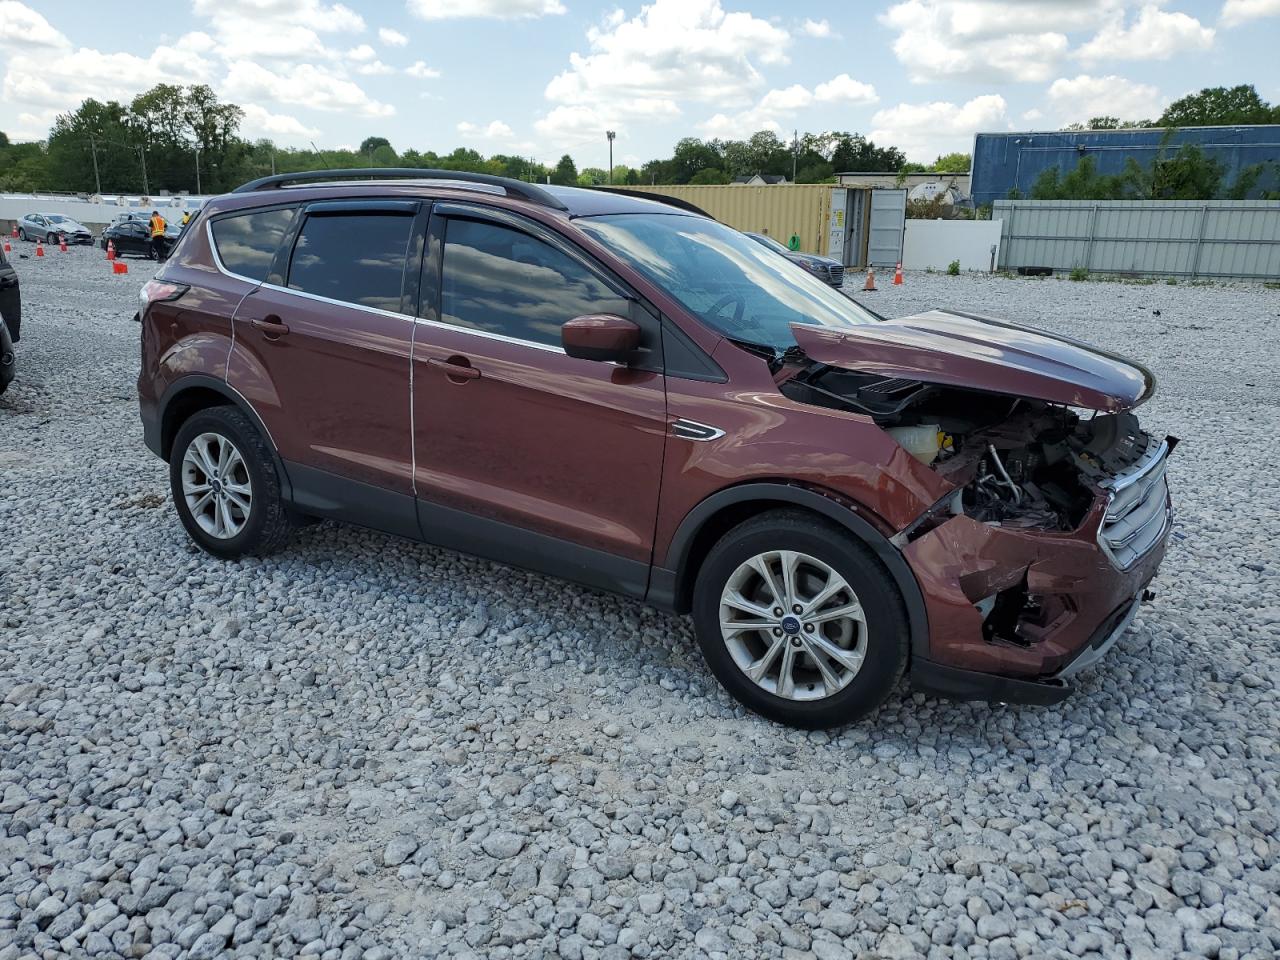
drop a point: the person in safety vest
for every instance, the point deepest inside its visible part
(157, 235)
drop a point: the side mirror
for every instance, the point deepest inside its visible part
(600, 336)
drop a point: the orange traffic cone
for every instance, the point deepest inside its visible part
(119, 267)
(870, 285)
(8, 248)
(62, 243)
(15, 231)
(39, 249)
(897, 276)
(111, 249)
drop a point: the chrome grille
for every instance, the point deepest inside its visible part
(837, 275)
(1138, 511)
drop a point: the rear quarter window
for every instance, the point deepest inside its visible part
(247, 243)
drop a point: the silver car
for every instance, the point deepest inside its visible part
(50, 226)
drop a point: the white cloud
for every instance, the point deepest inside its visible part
(569, 126)
(845, 89)
(22, 27)
(85, 73)
(672, 50)
(993, 40)
(926, 130)
(1077, 99)
(392, 38)
(375, 68)
(488, 9)
(362, 53)
(305, 85)
(778, 105)
(1154, 35)
(494, 130)
(260, 122)
(422, 71)
(1236, 12)
(816, 28)
(273, 30)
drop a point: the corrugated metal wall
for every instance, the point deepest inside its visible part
(783, 209)
(1179, 238)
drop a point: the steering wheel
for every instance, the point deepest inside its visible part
(724, 301)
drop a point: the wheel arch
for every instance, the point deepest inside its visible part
(671, 585)
(195, 392)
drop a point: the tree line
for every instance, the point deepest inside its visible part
(175, 138)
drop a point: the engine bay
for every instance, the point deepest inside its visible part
(1015, 462)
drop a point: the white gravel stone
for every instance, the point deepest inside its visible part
(214, 759)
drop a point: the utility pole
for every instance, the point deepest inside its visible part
(142, 155)
(93, 146)
(198, 191)
(795, 152)
(610, 134)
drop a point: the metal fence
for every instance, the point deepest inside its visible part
(1175, 238)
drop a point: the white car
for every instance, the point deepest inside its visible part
(50, 226)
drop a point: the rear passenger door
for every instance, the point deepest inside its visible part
(522, 452)
(324, 344)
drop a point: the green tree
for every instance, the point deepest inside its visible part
(370, 144)
(593, 177)
(953, 163)
(1215, 106)
(566, 172)
(710, 175)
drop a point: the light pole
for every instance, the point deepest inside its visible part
(610, 134)
(198, 170)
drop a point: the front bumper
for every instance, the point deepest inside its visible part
(1014, 613)
(956, 683)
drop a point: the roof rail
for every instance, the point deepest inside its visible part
(517, 188)
(658, 198)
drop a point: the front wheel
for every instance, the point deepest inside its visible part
(224, 483)
(22, 235)
(51, 239)
(799, 621)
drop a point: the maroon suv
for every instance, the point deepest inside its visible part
(628, 394)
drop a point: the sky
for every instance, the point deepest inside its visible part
(544, 77)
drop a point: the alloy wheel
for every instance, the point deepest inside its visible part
(216, 485)
(793, 625)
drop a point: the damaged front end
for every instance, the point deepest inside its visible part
(1055, 523)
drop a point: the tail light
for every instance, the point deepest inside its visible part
(159, 291)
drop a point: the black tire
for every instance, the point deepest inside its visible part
(269, 524)
(22, 234)
(51, 239)
(886, 635)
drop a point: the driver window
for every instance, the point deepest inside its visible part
(498, 280)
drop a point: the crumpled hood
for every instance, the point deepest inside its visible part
(981, 353)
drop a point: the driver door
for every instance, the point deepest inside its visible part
(520, 451)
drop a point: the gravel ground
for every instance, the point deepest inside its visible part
(369, 748)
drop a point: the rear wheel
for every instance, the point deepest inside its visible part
(22, 234)
(225, 486)
(799, 621)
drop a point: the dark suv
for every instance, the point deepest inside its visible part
(628, 394)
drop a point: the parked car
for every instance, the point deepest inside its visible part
(50, 226)
(641, 399)
(133, 237)
(826, 269)
(10, 320)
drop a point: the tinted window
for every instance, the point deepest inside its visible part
(358, 258)
(247, 243)
(502, 281)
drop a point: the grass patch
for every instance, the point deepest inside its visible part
(1079, 273)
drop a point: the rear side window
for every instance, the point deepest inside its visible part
(247, 243)
(502, 281)
(355, 258)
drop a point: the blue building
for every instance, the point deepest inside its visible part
(1003, 162)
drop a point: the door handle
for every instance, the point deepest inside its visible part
(457, 369)
(272, 327)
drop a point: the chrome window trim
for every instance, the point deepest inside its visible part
(394, 314)
(500, 337)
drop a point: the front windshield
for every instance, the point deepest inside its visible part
(735, 285)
